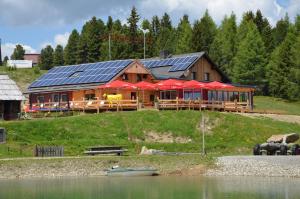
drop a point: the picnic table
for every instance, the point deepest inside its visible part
(98, 150)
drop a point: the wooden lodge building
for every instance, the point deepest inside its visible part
(68, 87)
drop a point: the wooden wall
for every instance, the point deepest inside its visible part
(203, 66)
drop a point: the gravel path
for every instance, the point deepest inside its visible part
(271, 166)
(283, 118)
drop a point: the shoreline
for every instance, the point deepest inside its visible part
(81, 166)
(191, 165)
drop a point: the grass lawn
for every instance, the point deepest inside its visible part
(263, 103)
(227, 134)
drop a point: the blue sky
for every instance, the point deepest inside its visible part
(35, 23)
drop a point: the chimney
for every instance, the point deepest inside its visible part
(164, 54)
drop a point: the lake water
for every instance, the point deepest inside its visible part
(151, 188)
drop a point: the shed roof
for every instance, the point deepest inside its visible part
(9, 89)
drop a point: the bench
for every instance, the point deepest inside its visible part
(103, 150)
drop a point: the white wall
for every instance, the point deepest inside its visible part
(20, 63)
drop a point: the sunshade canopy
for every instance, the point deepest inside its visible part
(118, 84)
(218, 85)
(170, 84)
(193, 84)
(145, 85)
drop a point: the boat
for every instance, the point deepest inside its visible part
(143, 171)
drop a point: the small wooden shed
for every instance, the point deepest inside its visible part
(10, 98)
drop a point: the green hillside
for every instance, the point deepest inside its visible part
(227, 133)
(277, 105)
(23, 77)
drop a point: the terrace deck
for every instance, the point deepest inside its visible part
(119, 105)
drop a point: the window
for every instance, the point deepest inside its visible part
(145, 76)
(206, 77)
(89, 96)
(139, 77)
(76, 74)
(194, 75)
(64, 98)
(168, 94)
(125, 76)
(55, 97)
(196, 95)
(40, 99)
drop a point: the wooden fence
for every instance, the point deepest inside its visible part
(49, 151)
(119, 105)
(204, 104)
(86, 105)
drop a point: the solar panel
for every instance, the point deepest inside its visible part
(177, 64)
(85, 73)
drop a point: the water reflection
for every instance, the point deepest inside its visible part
(151, 188)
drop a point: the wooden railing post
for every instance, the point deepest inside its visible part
(248, 105)
(177, 104)
(200, 105)
(137, 103)
(98, 105)
(235, 104)
(83, 107)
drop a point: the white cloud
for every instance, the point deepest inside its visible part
(61, 39)
(8, 48)
(218, 8)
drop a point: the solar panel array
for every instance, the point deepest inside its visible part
(100, 72)
(177, 64)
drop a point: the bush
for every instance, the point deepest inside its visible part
(36, 70)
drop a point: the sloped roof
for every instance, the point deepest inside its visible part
(9, 89)
(165, 69)
(99, 72)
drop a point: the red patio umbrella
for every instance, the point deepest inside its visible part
(170, 84)
(145, 85)
(193, 84)
(218, 85)
(118, 84)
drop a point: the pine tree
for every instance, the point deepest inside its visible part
(58, 56)
(5, 60)
(297, 24)
(150, 50)
(259, 21)
(96, 29)
(155, 25)
(281, 29)
(204, 32)
(184, 34)
(166, 35)
(119, 48)
(82, 46)
(279, 67)
(155, 29)
(242, 30)
(109, 24)
(294, 89)
(250, 59)
(46, 60)
(267, 36)
(133, 34)
(70, 51)
(223, 48)
(18, 53)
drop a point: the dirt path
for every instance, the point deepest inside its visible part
(283, 118)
